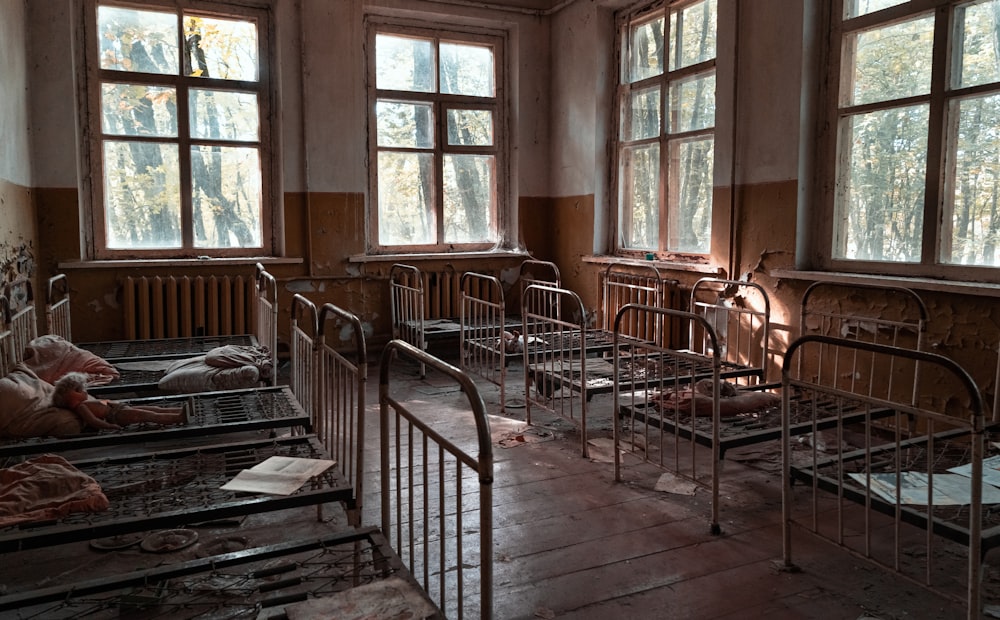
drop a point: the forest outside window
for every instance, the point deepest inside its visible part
(437, 160)
(917, 148)
(666, 104)
(179, 159)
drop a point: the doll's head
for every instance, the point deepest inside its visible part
(71, 390)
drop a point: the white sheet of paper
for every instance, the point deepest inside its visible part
(991, 470)
(949, 489)
(278, 475)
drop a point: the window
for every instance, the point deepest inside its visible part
(436, 136)
(178, 98)
(666, 128)
(916, 152)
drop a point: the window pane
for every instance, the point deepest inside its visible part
(976, 26)
(692, 34)
(224, 115)
(405, 199)
(854, 8)
(140, 41)
(468, 198)
(971, 203)
(470, 127)
(467, 70)
(220, 48)
(138, 110)
(403, 63)
(689, 201)
(888, 63)
(692, 104)
(639, 196)
(881, 209)
(405, 124)
(641, 119)
(141, 195)
(645, 51)
(226, 196)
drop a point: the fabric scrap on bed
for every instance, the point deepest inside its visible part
(46, 487)
(732, 401)
(229, 367)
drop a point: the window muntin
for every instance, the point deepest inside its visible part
(436, 153)
(179, 143)
(918, 147)
(666, 126)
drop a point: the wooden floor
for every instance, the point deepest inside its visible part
(571, 542)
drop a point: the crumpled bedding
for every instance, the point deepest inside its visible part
(50, 357)
(732, 401)
(26, 408)
(230, 367)
(46, 487)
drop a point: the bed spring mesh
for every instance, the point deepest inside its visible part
(251, 588)
(165, 347)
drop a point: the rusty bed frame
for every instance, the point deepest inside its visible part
(667, 432)
(923, 542)
(141, 362)
(169, 487)
(486, 316)
(435, 513)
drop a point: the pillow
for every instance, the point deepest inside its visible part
(50, 357)
(26, 408)
(196, 375)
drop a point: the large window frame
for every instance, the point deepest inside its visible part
(677, 219)
(438, 152)
(184, 84)
(932, 227)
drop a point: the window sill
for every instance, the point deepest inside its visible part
(659, 264)
(178, 262)
(404, 258)
(980, 289)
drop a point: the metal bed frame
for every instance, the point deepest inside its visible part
(258, 582)
(485, 318)
(666, 433)
(331, 385)
(57, 312)
(168, 488)
(429, 475)
(214, 413)
(903, 537)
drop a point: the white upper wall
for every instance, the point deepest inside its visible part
(14, 147)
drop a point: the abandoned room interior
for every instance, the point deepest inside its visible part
(499, 308)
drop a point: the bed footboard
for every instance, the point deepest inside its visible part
(437, 487)
(900, 485)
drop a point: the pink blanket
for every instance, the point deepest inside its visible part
(46, 487)
(26, 408)
(51, 357)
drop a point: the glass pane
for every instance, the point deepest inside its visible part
(971, 204)
(406, 198)
(692, 104)
(403, 63)
(468, 198)
(882, 206)
(888, 63)
(645, 51)
(692, 34)
(405, 124)
(642, 117)
(470, 127)
(689, 195)
(224, 115)
(467, 70)
(226, 197)
(854, 8)
(138, 110)
(221, 48)
(142, 195)
(140, 41)
(639, 189)
(976, 26)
